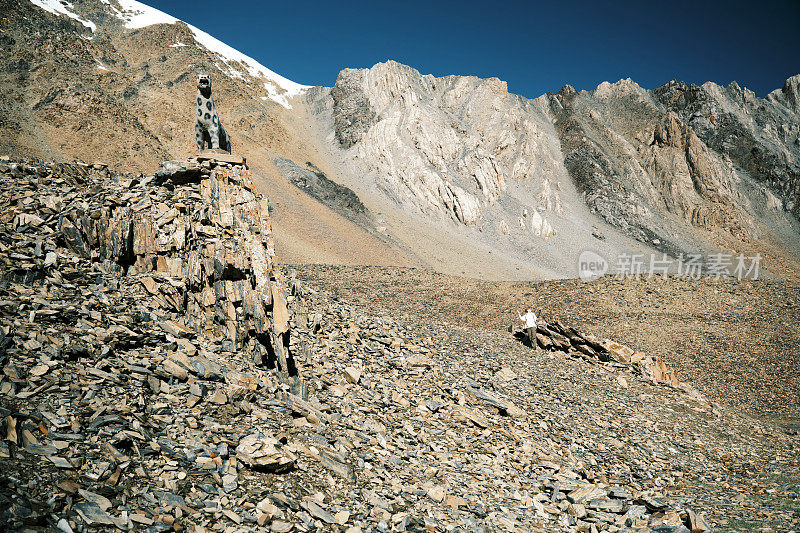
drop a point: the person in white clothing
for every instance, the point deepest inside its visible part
(529, 323)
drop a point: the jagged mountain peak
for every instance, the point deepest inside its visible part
(789, 94)
(653, 165)
(624, 86)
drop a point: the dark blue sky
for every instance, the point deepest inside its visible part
(535, 46)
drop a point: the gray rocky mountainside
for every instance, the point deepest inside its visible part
(681, 168)
(393, 167)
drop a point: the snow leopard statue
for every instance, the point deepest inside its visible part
(207, 126)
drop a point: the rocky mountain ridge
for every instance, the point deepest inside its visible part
(124, 96)
(451, 173)
(657, 165)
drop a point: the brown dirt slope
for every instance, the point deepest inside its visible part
(735, 341)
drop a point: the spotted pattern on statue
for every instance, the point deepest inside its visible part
(207, 127)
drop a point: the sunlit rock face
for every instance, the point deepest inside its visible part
(446, 146)
(650, 163)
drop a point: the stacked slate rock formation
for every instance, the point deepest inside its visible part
(121, 408)
(556, 336)
(200, 240)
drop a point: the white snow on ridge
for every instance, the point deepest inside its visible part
(138, 15)
(254, 68)
(59, 8)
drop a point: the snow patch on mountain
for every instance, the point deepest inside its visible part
(63, 8)
(138, 15)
